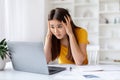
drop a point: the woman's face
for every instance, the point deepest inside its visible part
(57, 29)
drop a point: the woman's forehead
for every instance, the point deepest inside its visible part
(54, 21)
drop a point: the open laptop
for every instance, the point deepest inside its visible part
(29, 57)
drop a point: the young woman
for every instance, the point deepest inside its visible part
(65, 40)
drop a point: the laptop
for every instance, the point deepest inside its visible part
(29, 57)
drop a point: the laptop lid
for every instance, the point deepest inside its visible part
(28, 57)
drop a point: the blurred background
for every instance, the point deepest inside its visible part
(26, 20)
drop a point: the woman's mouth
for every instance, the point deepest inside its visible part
(58, 36)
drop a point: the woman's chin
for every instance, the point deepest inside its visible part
(58, 37)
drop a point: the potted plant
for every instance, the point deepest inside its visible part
(3, 53)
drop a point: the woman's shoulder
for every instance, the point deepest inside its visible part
(81, 35)
(80, 29)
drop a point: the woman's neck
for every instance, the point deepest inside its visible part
(64, 41)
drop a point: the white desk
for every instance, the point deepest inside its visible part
(75, 74)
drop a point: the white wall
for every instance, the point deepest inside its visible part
(2, 34)
(24, 20)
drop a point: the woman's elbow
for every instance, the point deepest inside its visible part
(80, 61)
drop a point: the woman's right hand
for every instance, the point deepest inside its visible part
(47, 46)
(49, 33)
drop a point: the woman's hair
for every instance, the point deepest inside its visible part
(59, 14)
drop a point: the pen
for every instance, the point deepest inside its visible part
(70, 68)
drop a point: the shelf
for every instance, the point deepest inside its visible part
(109, 50)
(109, 62)
(108, 1)
(61, 1)
(85, 18)
(109, 41)
(110, 24)
(109, 37)
(86, 4)
(109, 12)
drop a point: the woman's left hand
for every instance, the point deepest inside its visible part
(67, 25)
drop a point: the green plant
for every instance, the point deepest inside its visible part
(3, 49)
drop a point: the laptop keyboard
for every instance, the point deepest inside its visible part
(53, 69)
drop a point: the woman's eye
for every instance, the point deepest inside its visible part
(60, 26)
(52, 27)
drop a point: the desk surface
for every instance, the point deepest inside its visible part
(110, 72)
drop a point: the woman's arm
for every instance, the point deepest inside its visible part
(47, 46)
(78, 50)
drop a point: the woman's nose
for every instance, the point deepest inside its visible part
(56, 30)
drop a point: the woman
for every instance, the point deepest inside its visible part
(64, 40)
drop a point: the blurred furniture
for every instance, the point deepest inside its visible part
(93, 55)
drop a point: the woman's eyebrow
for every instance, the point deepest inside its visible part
(52, 25)
(59, 24)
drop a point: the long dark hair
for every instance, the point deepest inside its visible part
(59, 14)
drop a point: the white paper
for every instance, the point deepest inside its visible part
(89, 68)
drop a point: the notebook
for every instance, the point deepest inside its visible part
(29, 57)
